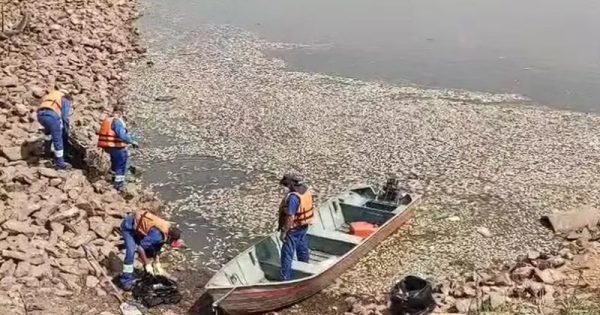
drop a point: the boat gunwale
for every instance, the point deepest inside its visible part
(416, 199)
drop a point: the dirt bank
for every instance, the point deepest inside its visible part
(47, 216)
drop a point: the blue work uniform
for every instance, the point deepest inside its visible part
(119, 156)
(151, 243)
(296, 241)
(58, 128)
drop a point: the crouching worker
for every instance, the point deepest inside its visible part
(53, 114)
(295, 215)
(114, 138)
(145, 233)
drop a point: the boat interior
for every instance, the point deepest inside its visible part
(329, 238)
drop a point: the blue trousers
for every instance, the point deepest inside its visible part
(129, 237)
(296, 241)
(118, 164)
(53, 126)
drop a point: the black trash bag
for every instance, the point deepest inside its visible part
(156, 290)
(412, 296)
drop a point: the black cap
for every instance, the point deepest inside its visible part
(174, 233)
(290, 179)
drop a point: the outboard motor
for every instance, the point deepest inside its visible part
(393, 193)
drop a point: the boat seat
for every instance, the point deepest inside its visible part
(306, 267)
(335, 235)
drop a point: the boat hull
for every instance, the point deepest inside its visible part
(264, 298)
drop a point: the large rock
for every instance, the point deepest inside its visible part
(71, 281)
(20, 242)
(64, 215)
(91, 281)
(574, 219)
(23, 269)
(48, 208)
(76, 253)
(502, 279)
(522, 273)
(556, 261)
(533, 255)
(9, 81)
(496, 299)
(55, 182)
(549, 276)
(100, 292)
(103, 230)
(20, 256)
(57, 228)
(14, 153)
(43, 270)
(466, 306)
(23, 228)
(534, 288)
(48, 172)
(585, 235)
(21, 110)
(8, 268)
(81, 239)
(37, 91)
(7, 282)
(26, 210)
(37, 258)
(66, 262)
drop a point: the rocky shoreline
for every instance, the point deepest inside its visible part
(48, 217)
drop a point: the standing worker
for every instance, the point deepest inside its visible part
(114, 138)
(295, 215)
(53, 114)
(148, 233)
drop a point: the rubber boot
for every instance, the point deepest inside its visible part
(127, 281)
(60, 164)
(119, 186)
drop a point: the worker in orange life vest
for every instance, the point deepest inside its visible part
(145, 233)
(53, 114)
(295, 215)
(114, 139)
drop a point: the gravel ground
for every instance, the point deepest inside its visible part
(481, 160)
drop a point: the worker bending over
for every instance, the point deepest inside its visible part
(114, 138)
(295, 215)
(145, 233)
(53, 114)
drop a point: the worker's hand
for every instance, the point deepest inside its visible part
(149, 269)
(282, 235)
(135, 145)
(158, 270)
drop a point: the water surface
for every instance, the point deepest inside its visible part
(547, 50)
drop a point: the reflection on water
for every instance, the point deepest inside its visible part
(545, 49)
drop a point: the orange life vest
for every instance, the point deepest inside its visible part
(145, 220)
(53, 101)
(305, 213)
(107, 138)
